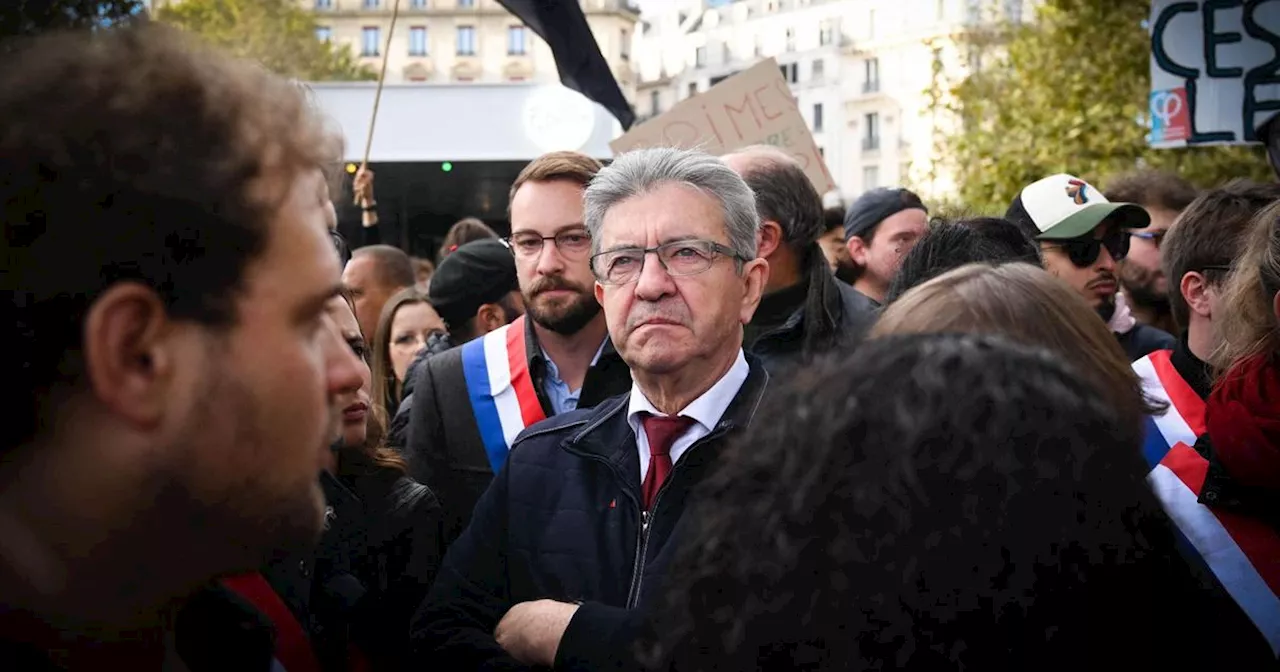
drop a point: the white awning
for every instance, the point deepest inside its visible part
(466, 122)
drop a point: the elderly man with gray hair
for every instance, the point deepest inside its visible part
(568, 547)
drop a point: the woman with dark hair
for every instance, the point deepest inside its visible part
(960, 503)
(381, 547)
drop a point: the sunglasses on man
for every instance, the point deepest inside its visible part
(1084, 251)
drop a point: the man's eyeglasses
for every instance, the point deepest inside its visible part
(1084, 251)
(678, 258)
(1156, 237)
(573, 243)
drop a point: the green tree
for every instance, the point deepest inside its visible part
(30, 17)
(276, 33)
(1066, 93)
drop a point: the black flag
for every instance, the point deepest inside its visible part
(582, 67)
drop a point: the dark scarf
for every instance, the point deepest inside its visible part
(1243, 421)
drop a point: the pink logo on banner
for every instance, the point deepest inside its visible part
(1170, 116)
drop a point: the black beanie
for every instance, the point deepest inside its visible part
(875, 206)
(477, 273)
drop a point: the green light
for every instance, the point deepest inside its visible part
(446, 166)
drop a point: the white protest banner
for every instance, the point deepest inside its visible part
(753, 107)
(1215, 70)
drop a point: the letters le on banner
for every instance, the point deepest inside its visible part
(753, 107)
(1215, 71)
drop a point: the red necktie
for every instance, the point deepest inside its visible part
(662, 432)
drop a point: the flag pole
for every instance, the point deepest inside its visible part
(382, 78)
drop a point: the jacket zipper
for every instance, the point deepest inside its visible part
(642, 544)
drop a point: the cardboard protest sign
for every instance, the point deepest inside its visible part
(753, 107)
(1215, 71)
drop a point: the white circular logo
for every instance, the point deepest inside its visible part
(557, 119)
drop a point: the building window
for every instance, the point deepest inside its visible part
(324, 33)
(418, 4)
(693, 89)
(871, 131)
(870, 178)
(758, 47)
(655, 103)
(624, 45)
(466, 3)
(789, 71)
(817, 117)
(871, 75)
(871, 24)
(371, 4)
(324, 4)
(827, 33)
(699, 57)
(418, 41)
(516, 41)
(370, 40)
(791, 39)
(466, 40)
(819, 66)
(940, 10)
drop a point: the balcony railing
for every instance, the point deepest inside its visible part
(871, 86)
(871, 144)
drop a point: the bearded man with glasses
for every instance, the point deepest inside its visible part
(568, 548)
(1082, 236)
(470, 403)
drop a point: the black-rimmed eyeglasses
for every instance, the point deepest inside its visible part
(678, 258)
(573, 244)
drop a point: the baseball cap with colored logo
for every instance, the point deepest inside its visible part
(1060, 207)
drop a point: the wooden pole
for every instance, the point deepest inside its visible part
(382, 78)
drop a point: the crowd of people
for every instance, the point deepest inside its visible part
(679, 418)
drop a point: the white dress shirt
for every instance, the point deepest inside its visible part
(706, 411)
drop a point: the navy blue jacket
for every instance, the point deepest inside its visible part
(563, 521)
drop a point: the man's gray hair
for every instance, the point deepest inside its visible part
(643, 170)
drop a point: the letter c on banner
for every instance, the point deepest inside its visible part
(1157, 40)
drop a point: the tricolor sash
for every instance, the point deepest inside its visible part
(1242, 552)
(1183, 422)
(496, 369)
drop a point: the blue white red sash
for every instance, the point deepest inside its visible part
(1184, 421)
(496, 369)
(1242, 552)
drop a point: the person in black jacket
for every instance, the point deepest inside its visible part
(470, 403)
(382, 543)
(805, 310)
(1082, 235)
(570, 543)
